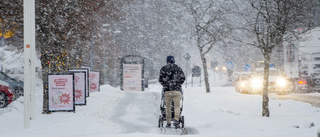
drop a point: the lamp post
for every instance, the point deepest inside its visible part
(187, 57)
(116, 32)
(105, 66)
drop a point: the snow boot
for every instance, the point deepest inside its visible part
(176, 124)
(168, 126)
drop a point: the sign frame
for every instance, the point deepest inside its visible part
(87, 78)
(95, 81)
(55, 98)
(135, 76)
(133, 59)
(84, 100)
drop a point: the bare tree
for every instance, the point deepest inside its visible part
(267, 24)
(209, 25)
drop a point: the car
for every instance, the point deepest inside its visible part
(242, 82)
(303, 85)
(315, 82)
(16, 85)
(6, 94)
(277, 82)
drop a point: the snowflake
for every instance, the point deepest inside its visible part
(65, 98)
(78, 94)
(93, 86)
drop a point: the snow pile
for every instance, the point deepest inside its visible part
(12, 61)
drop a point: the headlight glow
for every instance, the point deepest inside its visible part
(243, 84)
(256, 83)
(224, 68)
(281, 82)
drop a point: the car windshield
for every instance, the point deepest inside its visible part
(3, 75)
(244, 76)
(272, 72)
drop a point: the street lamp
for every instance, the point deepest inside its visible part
(116, 33)
(105, 66)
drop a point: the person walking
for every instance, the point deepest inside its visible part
(171, 78)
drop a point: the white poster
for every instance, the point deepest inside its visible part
(94, 81)
(80, 98)
(61, 93)
(79, 88)
(132, 77)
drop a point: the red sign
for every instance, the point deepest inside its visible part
(65, 98)
(77, 94)
(61, 94)
(94, 83)
(60, 82)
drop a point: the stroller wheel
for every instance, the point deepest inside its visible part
(182, 122)
(160, 123)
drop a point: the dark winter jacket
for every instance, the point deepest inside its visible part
(171, 77)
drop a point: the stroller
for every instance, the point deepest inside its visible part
(162, 117)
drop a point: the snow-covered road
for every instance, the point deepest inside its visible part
(313, 99)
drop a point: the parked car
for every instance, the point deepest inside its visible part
(16, 85)
(6, 94)
(315, 80)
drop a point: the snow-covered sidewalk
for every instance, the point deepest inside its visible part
(115, 113)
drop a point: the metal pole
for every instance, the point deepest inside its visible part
(104, 61)
(33, 58)
(114, 76)
(104, 48)
(29, 51)
(200, 80)
(91, 54)
(0, 63)
(2, 40)
(192, 80)
(186, 74)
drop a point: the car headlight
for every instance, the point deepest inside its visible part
(256, 83)
(243, 84)
(224, 68)
(281, 82)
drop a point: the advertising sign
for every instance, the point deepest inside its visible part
(132, 77)
(61, 92)
(94, 81)
(86, 77)
(87, 80)
(79, 87)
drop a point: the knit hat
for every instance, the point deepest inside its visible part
(170, 59)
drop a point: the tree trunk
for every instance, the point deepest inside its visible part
(205, 73)
(265, 97)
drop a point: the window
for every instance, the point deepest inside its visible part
(316, 66)
(316, 58)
